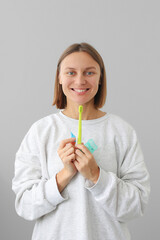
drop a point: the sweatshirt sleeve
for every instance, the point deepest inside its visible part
(35, 195)
(124, 197)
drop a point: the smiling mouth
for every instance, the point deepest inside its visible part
(80, 90)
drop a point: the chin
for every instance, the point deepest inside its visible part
(82, 102)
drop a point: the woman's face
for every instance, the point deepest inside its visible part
(79, 76)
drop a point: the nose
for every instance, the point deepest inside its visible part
(80, 79)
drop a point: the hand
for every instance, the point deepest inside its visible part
(85, 163)
(66, 152)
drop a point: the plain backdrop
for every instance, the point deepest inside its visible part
(33, 34)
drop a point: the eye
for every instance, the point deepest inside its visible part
(90, 73)
(70, 73)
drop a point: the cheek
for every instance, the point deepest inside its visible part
(95, 84)
(66, 81)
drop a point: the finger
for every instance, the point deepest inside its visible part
(79, 153)
(65, 141)
(61, 151)
(84, 149)
(78, 158)
(70, 158)
(69, 151)
(68, 146)
(76, 163)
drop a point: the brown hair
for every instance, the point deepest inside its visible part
(99, 100)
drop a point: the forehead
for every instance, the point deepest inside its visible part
(79, 60)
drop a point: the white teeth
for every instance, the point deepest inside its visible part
(78, 90)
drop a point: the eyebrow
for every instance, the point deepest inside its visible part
(85, 68)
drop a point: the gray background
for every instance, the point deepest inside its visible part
(33, 34)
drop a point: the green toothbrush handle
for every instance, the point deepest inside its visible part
(80, 124)
(80, 129)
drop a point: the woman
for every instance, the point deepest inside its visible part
(71, 191)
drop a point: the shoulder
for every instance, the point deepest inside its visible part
(121, 127)
(44, 125)
(46, 121)
(119, 122)
(39, 130)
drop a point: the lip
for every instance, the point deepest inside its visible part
(80, 93)
(80, 88)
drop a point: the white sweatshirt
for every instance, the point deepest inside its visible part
(83, 210)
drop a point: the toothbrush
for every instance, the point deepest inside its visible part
(80, 124)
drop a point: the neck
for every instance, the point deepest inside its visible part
(89, 112)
